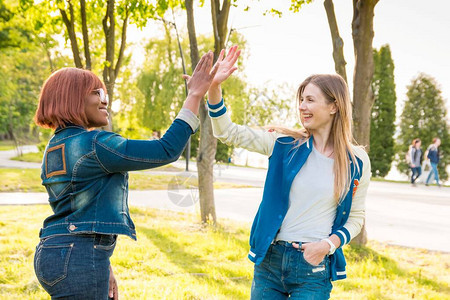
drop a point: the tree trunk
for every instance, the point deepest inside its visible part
(192, 35)
(70, 25)
(338, 43)
(87, 53)
(362, 31)
(109, 25)
(220, 22)
(205, 165)
(208, 144)
(110, 71)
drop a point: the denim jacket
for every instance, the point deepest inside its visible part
(86, 175)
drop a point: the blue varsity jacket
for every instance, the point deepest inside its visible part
(285, 161)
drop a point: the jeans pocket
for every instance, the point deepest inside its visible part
(51, 263)
(105, 242)
(302, 258)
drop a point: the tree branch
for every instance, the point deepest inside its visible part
(192, 35)
(108, 29)
(338, 43)
(122, 42)
(87, 53)
(223, 20)
(215, 12)
(70, 25)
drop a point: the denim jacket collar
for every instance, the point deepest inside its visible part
(68, 125)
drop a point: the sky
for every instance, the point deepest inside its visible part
(288, 49)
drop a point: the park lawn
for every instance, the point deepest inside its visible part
(29, 180)
(20, 180)
(35, 157)
(7, 145)
(177, 258)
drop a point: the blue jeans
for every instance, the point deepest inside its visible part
(75, 266)
(434, 171)
(285, 273)
(416, 172)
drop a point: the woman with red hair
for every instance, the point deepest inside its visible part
(85, 174)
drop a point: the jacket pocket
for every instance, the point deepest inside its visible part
(51, 263)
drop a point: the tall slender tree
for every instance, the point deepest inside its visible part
(382, 126)
(424, 116)
(362, 33)
(208, 143)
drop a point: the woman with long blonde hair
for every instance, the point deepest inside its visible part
(314, 193)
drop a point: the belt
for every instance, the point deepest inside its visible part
(287, 243)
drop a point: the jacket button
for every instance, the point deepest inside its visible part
(72, 227)
(344, 213)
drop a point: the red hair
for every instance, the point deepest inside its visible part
(63, 96)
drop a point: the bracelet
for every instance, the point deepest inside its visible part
(332, 246)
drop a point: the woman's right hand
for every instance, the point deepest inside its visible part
(198, 84)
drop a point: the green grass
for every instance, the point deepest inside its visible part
(29, 157)
(7, 145)
(29, 180)
(37, 157)
(177, 258)
(20, 180)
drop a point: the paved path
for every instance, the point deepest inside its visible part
(395, 213)
(5, 161)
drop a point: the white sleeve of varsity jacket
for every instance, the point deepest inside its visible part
(358, 209)
(257, 140)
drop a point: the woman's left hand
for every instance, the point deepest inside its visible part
(314, 252)
(113, 288)
(225, 66)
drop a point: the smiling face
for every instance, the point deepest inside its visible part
(96, 109)
(316, 111)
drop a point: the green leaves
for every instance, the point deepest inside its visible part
(382, 127)
(295, 7)
(424, 116)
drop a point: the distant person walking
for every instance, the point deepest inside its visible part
(433, 155)
(416, 160)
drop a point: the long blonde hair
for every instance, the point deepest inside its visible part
(335, 90)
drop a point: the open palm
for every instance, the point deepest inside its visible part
(227, 65)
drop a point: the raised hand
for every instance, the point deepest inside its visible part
(203, 75)
(226, 66)
(200, 81)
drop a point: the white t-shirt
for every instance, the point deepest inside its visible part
(312, 207)
(263, 141)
